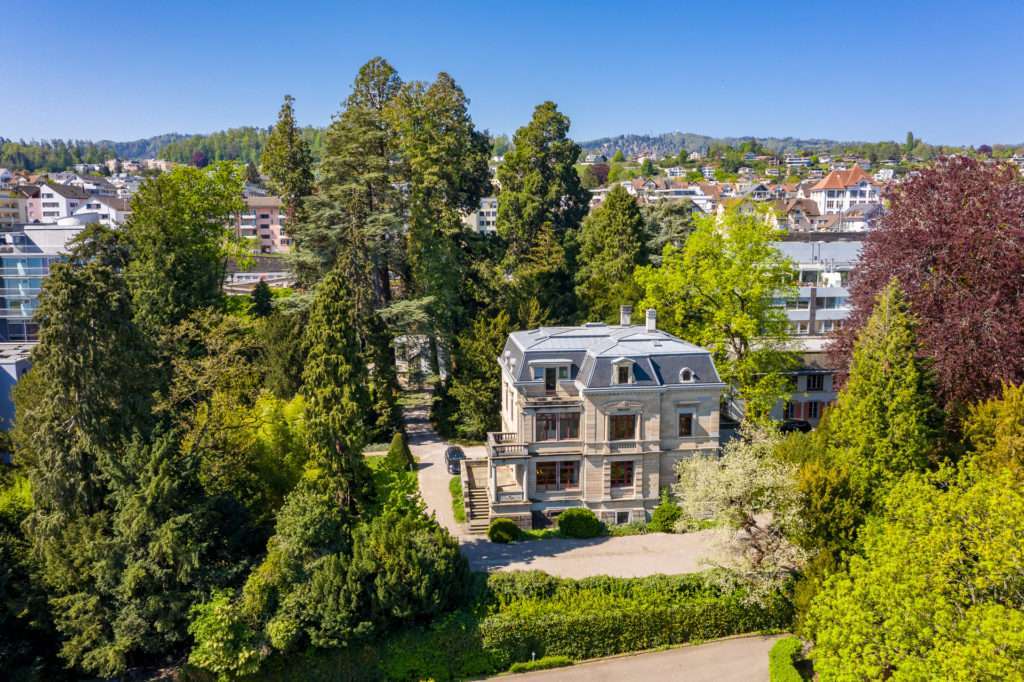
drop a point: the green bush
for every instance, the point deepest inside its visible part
(782, 660)
(632, 528)
(503, 530)
(666, 514)
(399, 455)
(545, 663)
(579, 522)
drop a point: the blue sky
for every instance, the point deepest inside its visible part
(953, 72)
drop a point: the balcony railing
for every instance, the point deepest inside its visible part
(505, 444)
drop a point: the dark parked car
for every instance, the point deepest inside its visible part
(792, 425)
(452, 456)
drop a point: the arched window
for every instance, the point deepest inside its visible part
(686, 375)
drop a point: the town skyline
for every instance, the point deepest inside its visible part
(721, 73)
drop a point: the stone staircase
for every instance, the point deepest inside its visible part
(478, 512)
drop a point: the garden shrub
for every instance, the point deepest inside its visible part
(782, 660)
(458, 503)
(666, 514)
(503, 530)
(545, 663)
(399, 455)
(579, 522)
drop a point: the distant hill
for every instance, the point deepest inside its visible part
(670, 144)
(147, 148)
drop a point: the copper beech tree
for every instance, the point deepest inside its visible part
(954, 238)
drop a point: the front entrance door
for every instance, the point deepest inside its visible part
(550, 374)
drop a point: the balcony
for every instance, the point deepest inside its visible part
(505, 445)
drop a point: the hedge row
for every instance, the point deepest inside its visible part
(519, 633)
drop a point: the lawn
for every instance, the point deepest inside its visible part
(458, 505)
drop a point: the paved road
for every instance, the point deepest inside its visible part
(741, 659)
(428, 448)
(631, 556)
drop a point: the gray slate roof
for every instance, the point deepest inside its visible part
(592, 350)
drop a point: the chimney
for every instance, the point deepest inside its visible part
(652, 320)
(625, 315)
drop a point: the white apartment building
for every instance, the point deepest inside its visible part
(839, 191)
(485, 219)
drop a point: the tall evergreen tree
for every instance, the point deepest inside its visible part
(446, 158)
(885, 424)
(355, 218)
(334, 386)
(541, 205)
(262, 300)
(612, 245)
(287, 160)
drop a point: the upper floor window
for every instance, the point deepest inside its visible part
(558, 426)
(816, 382)
(686, 375)
(622, 374)
(685, 424)
(622, 427)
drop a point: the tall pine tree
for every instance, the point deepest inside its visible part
(334, 386)
(541, 204)
(287, 160)
(611, 247)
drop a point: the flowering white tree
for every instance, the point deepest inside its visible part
(752, 495)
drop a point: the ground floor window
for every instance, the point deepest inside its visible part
(622, 474)
(621, 517)
(557, 475)
(622, 427)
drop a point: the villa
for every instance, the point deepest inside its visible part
(593, 416)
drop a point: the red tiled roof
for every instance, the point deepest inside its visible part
(843, 179)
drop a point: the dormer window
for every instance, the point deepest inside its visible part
(686, 376)
(622, 374)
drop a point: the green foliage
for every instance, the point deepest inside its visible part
(334, 386)
(667, 222)
(604, 616)
(476, 381)
(579, 522)
(545, 663)
(281, 334)
(885, 424)
(618, 156)
(647, 169)
(936, 593)
(718, 292)
(287, 159)
(180, 242)
(503, 530)
(542, 204)
(993, 427)
(612, 245)
(458, 504)
(399, 455)
(781, 659)
(262, 299)
(224, 644)
(666, 514)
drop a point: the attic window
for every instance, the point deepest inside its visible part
(686, 375)
(622, 374)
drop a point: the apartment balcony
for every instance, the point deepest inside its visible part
(505, 445)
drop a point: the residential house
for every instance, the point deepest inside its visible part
(839, 191)
(58, 201)
(6, 177)
(595, 416)
(13, 207)
(796, 161)
(112, 211)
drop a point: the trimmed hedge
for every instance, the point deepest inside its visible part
(545, 663)
(503, 530)
(579, 522)
(782, 660)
